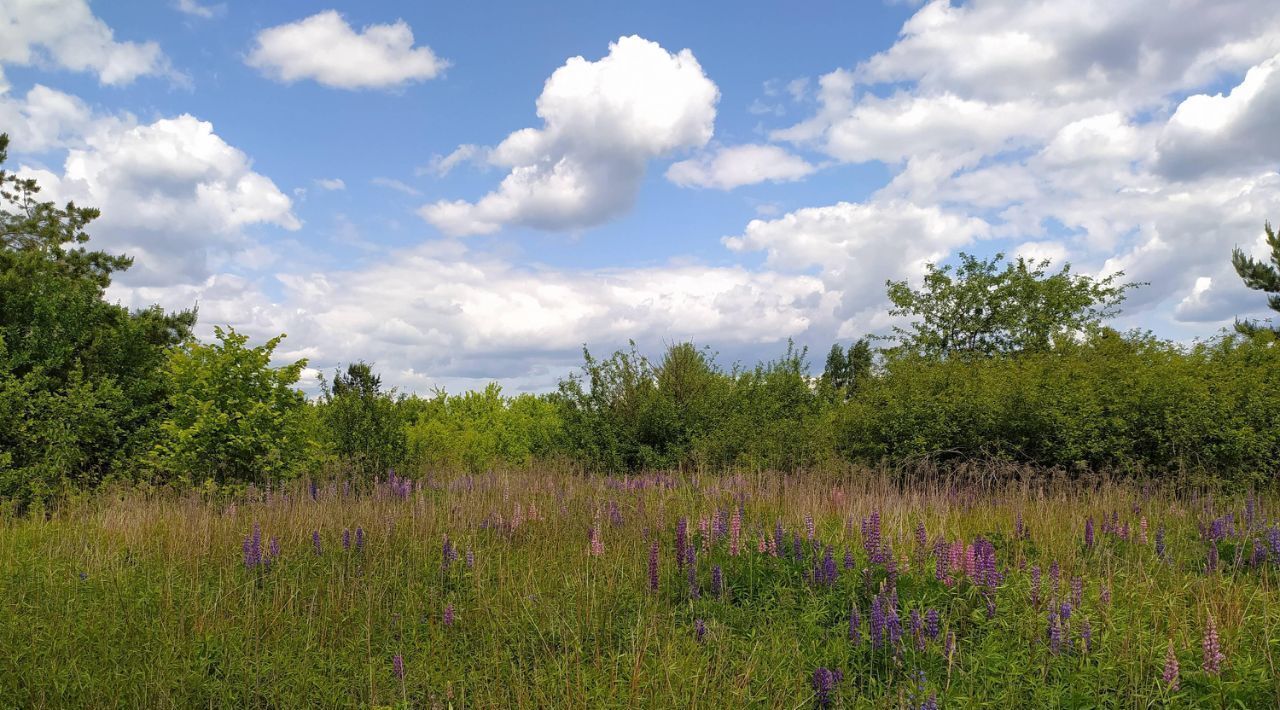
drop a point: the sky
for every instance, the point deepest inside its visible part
(470, 192)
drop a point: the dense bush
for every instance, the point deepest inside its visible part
(361, 425)
(476, 431)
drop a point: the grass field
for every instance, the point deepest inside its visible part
(552, 590)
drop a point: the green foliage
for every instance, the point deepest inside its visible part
(1112, 402)
(845, 371)
(1260, 276)
(477, 431)
(979, 309)
(80, 384)
(363, 426)
(232, 416)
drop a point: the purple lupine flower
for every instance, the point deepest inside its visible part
(797, 548)
(699, 631)
(990, 597)
(1018, 528)
(717, 581)
(653, 566)
(615, 515)
(315, 542)
(1055, 577)
(252, 554)
(848, 559)
(1055, 633)
(922, 537)
(1104, 594)
(471, 559)
(359, 539)
(1088, 532)
(949, 645)
(1273, 541)
(1170, 676)
(917, 628)
(1077, 591)
(1213, 655)
(940, 566)
(892, 624)
(448, 614)
(1211, 563)
(829, 572)
(1160, 542)
(682, 541)
(890, 565)
(810, 530)
(1064, 611)
(315, 491)
(1259, 555)
(932, 623)
(855, 626)
(397, 666)
(877, 623)
(1086, 634)
(1249, 511)
(871, 536)
(823, 683)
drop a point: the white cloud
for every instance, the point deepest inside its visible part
(855, 247)
(398, 186)
(326, 49)
(602, 122)
(442, 165)
(331, 184)
(44, 119)
(66, 34)
(729, 167)
(173, 195)
(195, 9)
(441, 314)
(1234, 133)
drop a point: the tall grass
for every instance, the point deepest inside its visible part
(145, 600)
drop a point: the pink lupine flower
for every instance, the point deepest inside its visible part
(1213, 655)
(1142, 530)
(597, 545)
(1171, 667)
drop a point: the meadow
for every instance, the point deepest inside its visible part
(549, 589)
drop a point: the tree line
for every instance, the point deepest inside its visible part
(998, 359)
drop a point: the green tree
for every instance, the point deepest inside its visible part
(981, 309)
(233, 417)
(81, 387)
(362, 422)
(1260, 276)
(845, 370)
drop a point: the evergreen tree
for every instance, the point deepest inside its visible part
(1260, 276)
(81, 386)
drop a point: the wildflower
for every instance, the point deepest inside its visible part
(448, 615)
(871, 535)
(682, 541)
(855, 626)
(1160, 542)
(471, 559)
(1055, 633)
(1213, 655)
(1171, 668)
(315, 492)
(346, 539)
(717, 580)
(877, 623)
(1104, 594)
(1142, 530)
(828, 566)
(848, 559)
(735, 532)
(252, 553)
(823, 683)
(1018, 528)
(359, 539)
(1088, 532)
(917, 628)
(1086, 634)
(699, 631)
(922, 537)
(397, 666)
(949, 645)
(809, 528)
(653, 566)
(1055, 577)
(315, 541)
(932, 623)
(597, 546)
(796, 548)
(777, 538)
(1077, 591)
(1211, 563)
(1035, 586)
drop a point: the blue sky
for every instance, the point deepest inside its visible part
(462, 192)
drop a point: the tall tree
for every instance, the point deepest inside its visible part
(81, 387)
(363, 424)
(1260, 276)
(979, 308)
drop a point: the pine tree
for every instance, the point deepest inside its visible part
(1260, 276)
